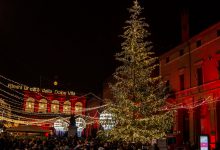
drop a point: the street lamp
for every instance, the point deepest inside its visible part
(55, 83)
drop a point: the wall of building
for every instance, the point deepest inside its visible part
(199, 101)
(74, 100)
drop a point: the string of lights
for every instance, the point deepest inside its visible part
(40, 114)
(25, 120)
(17, 108)
(173, 105)
(177, 106)
(38, 121)
(88, 109)
(18, 101)
(78, 97)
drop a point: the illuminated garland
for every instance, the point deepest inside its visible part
(26, 120)
(84, 109)
(17, 105)
(175, 107)
(78, 97)
(31, 120)
(37, 121)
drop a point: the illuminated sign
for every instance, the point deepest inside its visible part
(36, 89)
(204, 142)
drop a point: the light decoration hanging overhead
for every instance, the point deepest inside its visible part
(106, 120)
(80, 123)
(15, 100)
(60, 125)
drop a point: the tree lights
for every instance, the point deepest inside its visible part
(139, 95)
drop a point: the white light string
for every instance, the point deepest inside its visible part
(46, 120)
(37, 121)
(86, 109)
(174, 106)
(17, 108)
(77, 97)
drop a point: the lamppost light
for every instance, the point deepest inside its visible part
(55, 83)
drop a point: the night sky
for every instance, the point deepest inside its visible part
(74, 42)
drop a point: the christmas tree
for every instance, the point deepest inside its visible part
(138, 109)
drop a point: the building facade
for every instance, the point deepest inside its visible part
(53, 103)
(60, 103)
(192, 72)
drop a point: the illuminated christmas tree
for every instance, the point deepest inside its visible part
(138, 108)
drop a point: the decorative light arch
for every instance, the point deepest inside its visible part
(55, 106)
(42, 105)
(29, 105)
(67, 107)
(78, 108)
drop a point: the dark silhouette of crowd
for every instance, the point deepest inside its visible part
(62, 143)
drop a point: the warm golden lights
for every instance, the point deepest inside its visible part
(55, 106)
(29, 105)
(78, 108)
(42, 105)
(67, 107)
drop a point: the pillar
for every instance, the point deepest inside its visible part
(213, 121)
(191, 126)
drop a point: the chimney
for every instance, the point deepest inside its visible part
(184, 24)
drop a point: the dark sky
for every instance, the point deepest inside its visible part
(75, 41)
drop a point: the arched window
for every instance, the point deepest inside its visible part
(78, 108)
(55, 106)
(42, 106)
(67, 107)
(29, 106)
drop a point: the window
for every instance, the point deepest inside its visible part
(182, 82)
(42, 106)
(198, 43)
(67, 107)
(167, 59)
(55, 106)
(29, 107)
(181, 52)
(199, 76)
(78, 108)
(218, 32)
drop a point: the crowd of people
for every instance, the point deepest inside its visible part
(62, 143)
